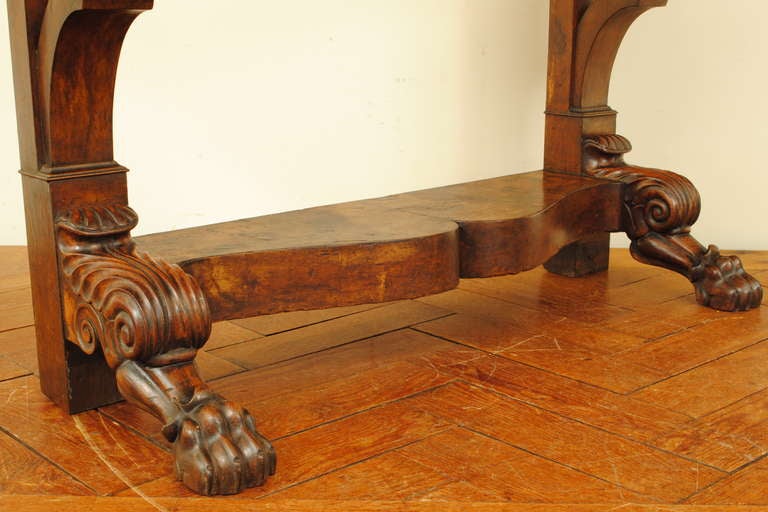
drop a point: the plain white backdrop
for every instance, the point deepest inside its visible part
(238, 108)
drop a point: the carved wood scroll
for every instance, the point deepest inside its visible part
(149, 318)
(659, 209)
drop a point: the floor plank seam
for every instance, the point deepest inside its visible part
(134, 430)
(42, 456)
(326, 320)
(717, 358)
(365, 459)
(372, 408)
(748, 463)
(695, 420)
(712, 484)
(16, 327)
(559, 463)
(346, 343)
(523, 363)
(503, 299)
(596, 427)
(258, 337)
(8, 379)
(642, 453)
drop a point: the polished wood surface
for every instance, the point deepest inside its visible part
(580, 138)
(480, 398)
(395, 247)
(114, 321)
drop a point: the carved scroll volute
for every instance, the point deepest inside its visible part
(134, 306)
(150, 317)
(655, 201)
(659, 209)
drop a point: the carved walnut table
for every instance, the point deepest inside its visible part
(122, 317)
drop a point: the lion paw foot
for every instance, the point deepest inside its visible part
(721, 283)
(219, 451)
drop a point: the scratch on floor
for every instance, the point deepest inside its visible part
(698, 474)
(526, 340)
(117, 443)
(431, 364)
(10, 396)
(617, 480)
(493, 369)
(119, 474)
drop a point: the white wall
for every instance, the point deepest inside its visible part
(267, 106)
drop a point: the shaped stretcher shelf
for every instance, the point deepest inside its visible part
(389, 248)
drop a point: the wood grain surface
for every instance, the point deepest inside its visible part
(377, 250)
(439, 404)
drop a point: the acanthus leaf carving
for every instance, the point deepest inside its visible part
(150, 317)
(659, 209)
(135, 306)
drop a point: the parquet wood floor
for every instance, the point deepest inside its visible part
(531, 392)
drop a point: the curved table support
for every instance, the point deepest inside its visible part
(137, 320)
(112, 321)
(584, 39)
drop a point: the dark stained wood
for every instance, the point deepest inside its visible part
(659, 209)
(60, 147)
(580, 138)
(395, 247)
(145, 317)
(584, 37)
(581, 258)
(114, 321)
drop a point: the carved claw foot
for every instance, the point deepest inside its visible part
(217, 447)
(219, 451)
(659, 209)
(150, 318)
(721, 283)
